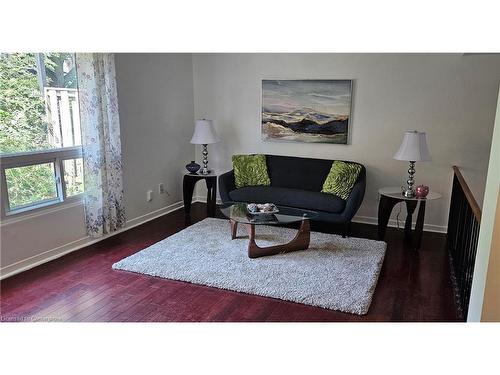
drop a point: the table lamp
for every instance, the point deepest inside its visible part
(413, 148)
(204, 134)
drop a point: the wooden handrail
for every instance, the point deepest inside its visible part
(468, 194)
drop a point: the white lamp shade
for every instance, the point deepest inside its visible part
(204, 133)
(413, 148)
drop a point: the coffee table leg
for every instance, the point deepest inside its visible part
(234, 228)
(300, 242)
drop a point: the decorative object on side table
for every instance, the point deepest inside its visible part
(188, 185)
(389, 197)
(421, 191)
(193, 167)
(413, 148)
(204, 134)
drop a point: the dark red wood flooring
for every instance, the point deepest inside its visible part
(81, 286)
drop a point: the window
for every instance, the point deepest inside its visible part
(30, 184)
(40, 138)
(73, 176)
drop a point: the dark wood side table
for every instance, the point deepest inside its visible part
(188, 185)
(389, 197)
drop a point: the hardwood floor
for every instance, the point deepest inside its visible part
(81, 286)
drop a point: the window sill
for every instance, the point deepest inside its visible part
(41, 210)
(33, 207)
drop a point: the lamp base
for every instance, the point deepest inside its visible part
(408, 193)
(408, 190)
(205, 169)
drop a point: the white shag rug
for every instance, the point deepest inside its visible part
(334, 273)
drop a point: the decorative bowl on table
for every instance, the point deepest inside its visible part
(262, 209)
(193, 167)
(421, 191)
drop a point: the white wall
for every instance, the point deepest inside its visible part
(155, 95)
(452, 97)
(34, 238)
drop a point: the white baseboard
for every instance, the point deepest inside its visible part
(46, 256)
(203, 199)
(365, 219)
(393, 223)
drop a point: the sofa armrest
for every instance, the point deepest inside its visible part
(355, 199)
(226, 184)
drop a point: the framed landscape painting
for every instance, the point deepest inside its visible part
(315, 111)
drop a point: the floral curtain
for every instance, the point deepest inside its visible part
(102, 165)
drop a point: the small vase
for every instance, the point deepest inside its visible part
(421, 191)
(192, 167)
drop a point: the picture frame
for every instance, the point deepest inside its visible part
(306, 110)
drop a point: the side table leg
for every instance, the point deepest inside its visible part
(187, 192)
(211, 196)
(385, 206)
(213, 200)
(419, 226)
(410, 209)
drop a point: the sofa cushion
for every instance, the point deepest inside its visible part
(298, 198)
(250, 170)
(297, 173)
(341, 179)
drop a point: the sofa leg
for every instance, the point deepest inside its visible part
(347, 230)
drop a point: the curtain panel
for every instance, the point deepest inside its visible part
(102, 162)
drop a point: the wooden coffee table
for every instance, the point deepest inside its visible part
(237, 213)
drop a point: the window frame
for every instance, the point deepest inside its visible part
(57, 156)
(23, 159)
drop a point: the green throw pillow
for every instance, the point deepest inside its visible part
(341, 179)
(250, 170)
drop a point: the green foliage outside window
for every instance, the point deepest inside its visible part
(23, 124)
(22, 108)
(30, 184)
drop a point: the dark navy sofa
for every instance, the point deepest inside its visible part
(297, 182)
